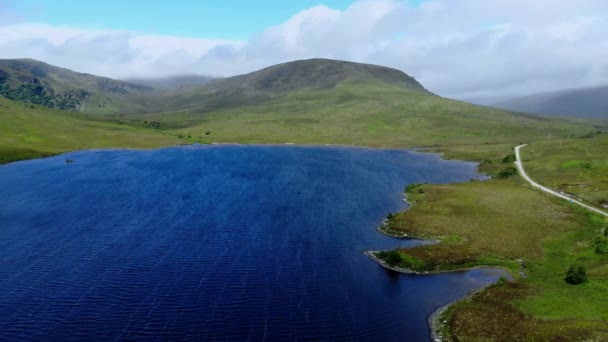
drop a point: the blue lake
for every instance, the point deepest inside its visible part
(215, 243)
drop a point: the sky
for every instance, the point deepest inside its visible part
(467, 49)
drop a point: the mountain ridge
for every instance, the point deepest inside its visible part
(589, 102)
(54, 87)
(319, 73)
(39, 83)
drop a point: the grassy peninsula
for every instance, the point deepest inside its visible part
(506, 223)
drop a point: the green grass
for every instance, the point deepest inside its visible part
(372, 114)
(575, 166)
(505, 223)
(28, 131)
(543, 306)
(479, 213)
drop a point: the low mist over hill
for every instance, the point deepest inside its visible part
(582, 102)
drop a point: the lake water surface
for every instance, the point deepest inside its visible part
(215, 243)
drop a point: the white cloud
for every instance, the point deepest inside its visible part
(110, 53)
(465, 48)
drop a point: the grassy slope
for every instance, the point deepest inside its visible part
(577, 166)
(104, 95)
(27, 132)
(371, 114)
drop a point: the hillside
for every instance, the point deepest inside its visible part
(583, 102)
(334, 102)
(275, 81)
(171, 82)
(29, 131)
(311, 74)
(46, 85)
(315, 101)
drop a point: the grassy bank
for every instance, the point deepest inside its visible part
(28, 131)
(505, 223)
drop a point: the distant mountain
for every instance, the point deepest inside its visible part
(171, 82)
(312, 74)
(39, 83)
(316, 101)
(336, 102)
(282, 79)
(582, 102)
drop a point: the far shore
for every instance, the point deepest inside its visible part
(45, 154)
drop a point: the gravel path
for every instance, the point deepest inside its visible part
(522, 172)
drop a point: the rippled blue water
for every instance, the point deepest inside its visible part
(219, 243)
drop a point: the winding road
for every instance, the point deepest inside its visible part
(522, 172)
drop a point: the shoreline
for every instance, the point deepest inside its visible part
(412, 272)
(434, 320)
(232, 144)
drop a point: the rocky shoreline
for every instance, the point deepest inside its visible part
(436, 324)
(371, 255)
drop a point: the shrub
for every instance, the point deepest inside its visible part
(208, 133)
(600, 243)
(509, 159)
(392, 258)
(413, 263)
(576, 274)
(413, 186)
(508, 172)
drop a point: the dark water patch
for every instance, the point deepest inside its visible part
(218, 243)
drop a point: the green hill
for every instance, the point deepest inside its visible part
(28, 131)
(311, 74)
(42, 84)
(269, 83)
(332, 102)
(315, 101)
(171, 82)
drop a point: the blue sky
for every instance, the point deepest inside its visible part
(227, 19)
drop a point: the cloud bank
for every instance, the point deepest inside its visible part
(462, 49)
